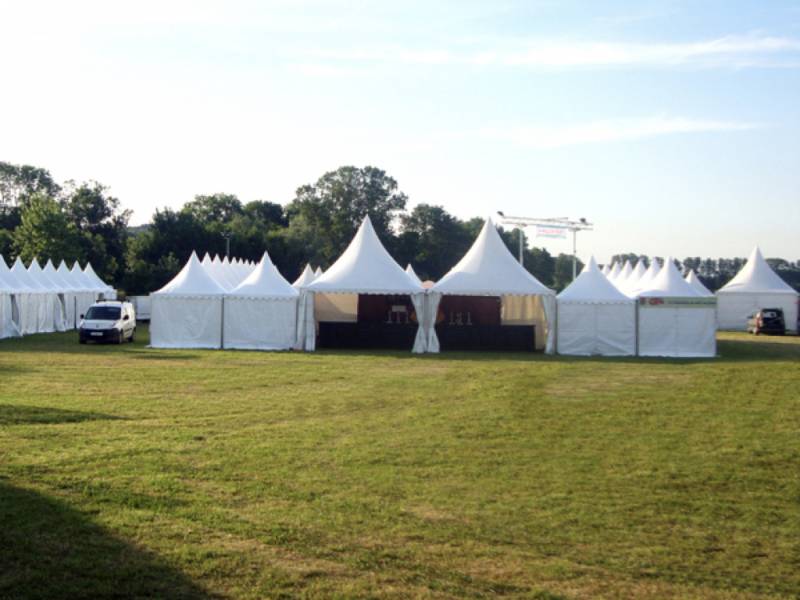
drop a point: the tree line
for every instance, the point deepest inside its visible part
(82, 221)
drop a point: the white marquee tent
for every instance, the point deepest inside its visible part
(693, 280)
(39, 306)
(364, 268)
(306, 278)
(261, 312)
(489, 269)
(413, 274)
(594, 317)
(55, 295)
(187, 312)
(674, 320)
(756, 286)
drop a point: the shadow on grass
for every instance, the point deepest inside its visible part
(13, 414)
(52, 551)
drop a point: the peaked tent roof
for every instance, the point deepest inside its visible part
(693, 280)
(265, 282)
(62, 283)
(89, 272)
(25, 278)
(413, 274)
(193, 280)
(625, 272)
(592, 287)
(606, 269)
(668, 283)
(83, 279)
(365, 267)
(9, 281)
(318, 272)
(36, 271)
(489, 269)
(646, 279)
(306, 278)
(757, 276)
(615, 269)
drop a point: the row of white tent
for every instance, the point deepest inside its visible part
(754, 287)
(263, 311)
(620, 311)
(36, 299)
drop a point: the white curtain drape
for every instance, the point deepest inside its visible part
(420, 307)
(432, 341)
(549, 305)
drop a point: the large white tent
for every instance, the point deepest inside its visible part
(108, 292)
(489, 270)
(754, 287)
(674, 320)
(187, 312)
(594, 317)
(364, 271)
(693, 280)
(261, 312)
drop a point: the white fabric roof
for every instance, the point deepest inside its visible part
(79, 276)
(318, 272)
(25, 278)
(606, 269)
(592, 287)
(306, 278)
(413, 274)
(265, 282)
(692, 279)
(89, 272)
(56, 277)
(489, 269)
(193, 280)
(9, 281)
(625, 272)
(615, 269)
(668, 283)
(365, 267)
(757, 276)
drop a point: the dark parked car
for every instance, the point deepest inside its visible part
(768, 321)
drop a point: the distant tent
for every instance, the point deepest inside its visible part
(614, 272)
(594, 317)
(364, 299)
(756, 286)
(674, 320)
(413, 274)
(490, 284)
(645, 281)
(187, 312)
(306, 278)
(261, 312)
(693, 280)
(318, 272)
(9, 297)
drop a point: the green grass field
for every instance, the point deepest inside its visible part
(132, 472)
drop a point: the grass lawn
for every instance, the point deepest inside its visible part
(129, 472)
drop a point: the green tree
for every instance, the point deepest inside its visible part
(432, 240)
(45, 232)
(324, 216)
(562, 275)
(102, 225)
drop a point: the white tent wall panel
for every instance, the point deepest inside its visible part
(733, 308)
(585, 329)
(185, 322)
(677, 331)
(260, 323)
(8, 328)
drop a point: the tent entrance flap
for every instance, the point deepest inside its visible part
(366, 321)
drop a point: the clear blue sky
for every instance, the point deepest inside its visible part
(674, 126)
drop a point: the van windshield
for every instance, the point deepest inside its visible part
(103, 313)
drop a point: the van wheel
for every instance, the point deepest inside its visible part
(133, 334)
(121, 337)
(81, 341)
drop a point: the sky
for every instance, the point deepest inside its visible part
(672, 126)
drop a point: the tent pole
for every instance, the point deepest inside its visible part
(222, 326)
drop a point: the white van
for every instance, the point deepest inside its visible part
(108, 321)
